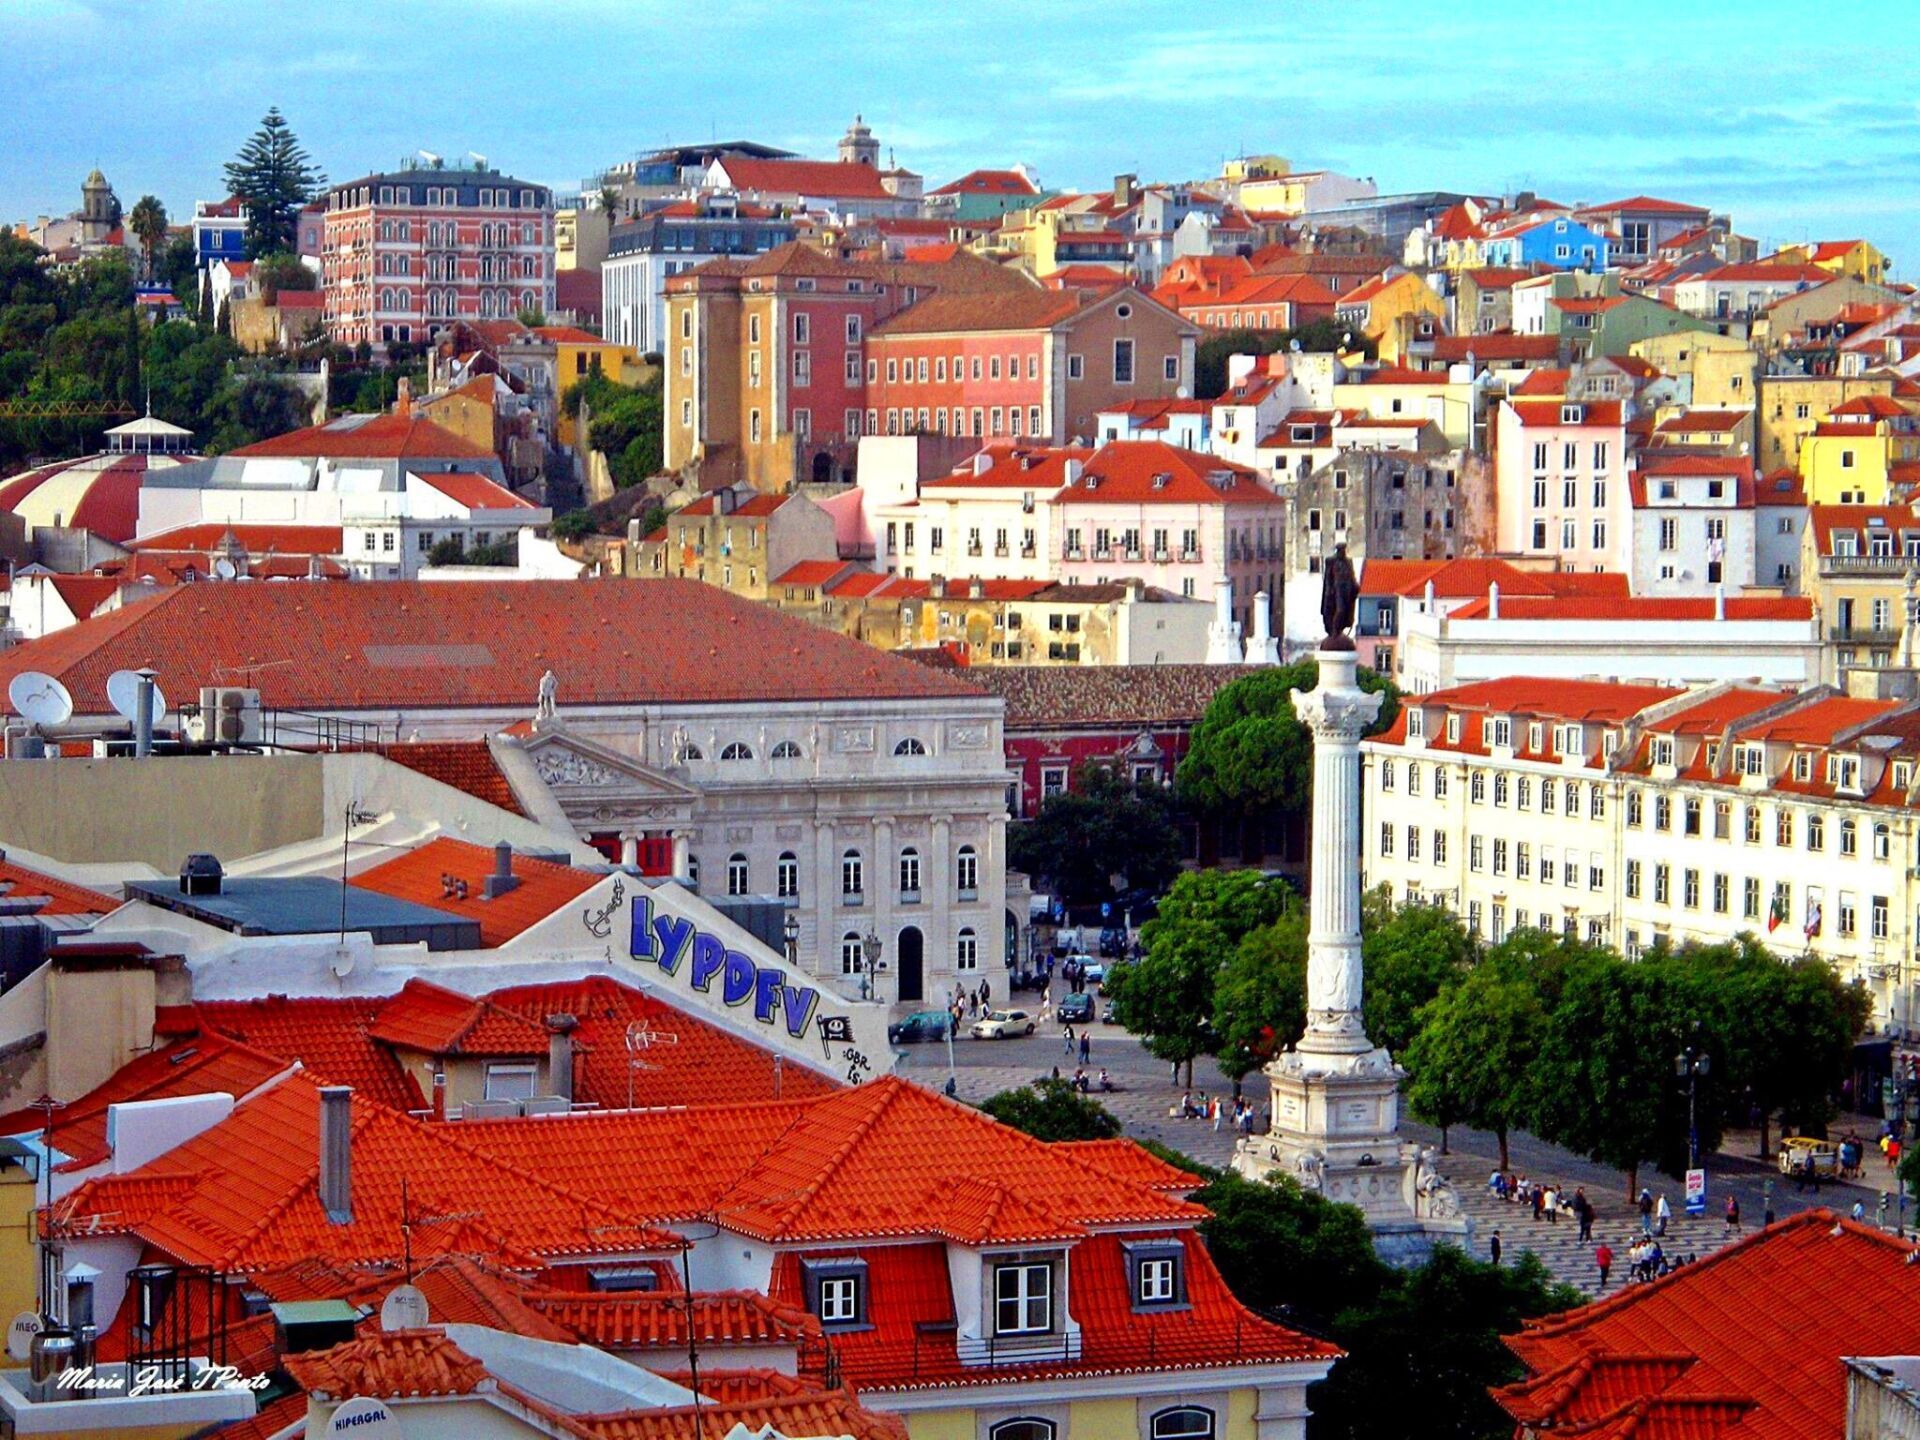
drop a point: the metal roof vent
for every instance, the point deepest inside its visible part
(201, 874)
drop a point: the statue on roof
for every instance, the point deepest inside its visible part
(1339, 595)
(547, 707)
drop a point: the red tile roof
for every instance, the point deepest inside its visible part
(381, 437)
(988, 182)
(331, 1038)
(416, 645)
(425, 1017)
(1767, 272)
(1711, 716)
(466, 765)
(659, 1320)
(1646, 204)
(1025, 467)
(1821, 722)
(1495, 345)
(1548, 412)
(1148, 472)
(476, 492)
(416, 876)
(1601, 701)
(818, 1412)
(18, 883)
(254, 539)
(1642, 608)
(1704, 421)
(1746, 1342)
(393, 1364)
(826, 178)
(1031, 309)
(811, 572)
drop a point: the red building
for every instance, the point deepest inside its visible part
(405, 253)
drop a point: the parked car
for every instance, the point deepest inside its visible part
(920, 1025)
(1000, 1024)
(1095, 972)
(1113, 942)
(1076, 1009)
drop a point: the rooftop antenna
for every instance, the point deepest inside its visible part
(640, 1039)
(352, 816)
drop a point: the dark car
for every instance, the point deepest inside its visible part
(920, 1025)
(1113, 942)
(1076, 1009)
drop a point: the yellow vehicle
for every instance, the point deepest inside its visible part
(1807, 1158)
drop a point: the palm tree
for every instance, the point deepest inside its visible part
(149, 223)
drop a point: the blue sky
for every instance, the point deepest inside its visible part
(1801, 121)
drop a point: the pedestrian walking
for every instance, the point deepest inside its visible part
(1733, 1215)
(1539, 1200)
(1215, 1117)
(1603, 1261)
(1550, 1202)
(1646, 1212)
(1493, 1247)
(1583, 1212)
(1066, 1035)
(1086, 1047)
(1662, 1213)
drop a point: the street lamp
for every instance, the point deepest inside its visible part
(870, 950)
(790, 932)
(1689, 1065)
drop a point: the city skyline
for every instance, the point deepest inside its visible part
(1823, 147)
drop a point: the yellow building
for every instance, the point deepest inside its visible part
(578, 353)
(1791, 405)
(1851, 457)
(1394, 311)
(1855, 259)
(1853, 565)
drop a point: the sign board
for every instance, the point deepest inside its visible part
(20, 1335)
(364, 1419)
(1696, 1192)
(405, 1308)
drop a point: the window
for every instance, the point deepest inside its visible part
(1123, 362)
(1157, 1274)
(1750, 822)
(1477, 787)
(1386, 840)
(967, 872)
(1662, 884)
(852, 955)
(1188, 1422)
(1690, 816)
(1720, 891)
(909, 873)
(1076, 367)
(1476, 852)
(1849, 838)
(1750, 898)
(510, 1082)
(737, 750)
(736, 874)
(836, 1291)
(910, 746)
(1633, 880)
(1662, 813)
(966, 950)
(1439, 847)
(787, 876)
(1386, 774)
(1022, 1299)
(1522, 860)
(1882, 842)
(788, 750)
(1023, 1430)
(1816, 832)
(852, 875)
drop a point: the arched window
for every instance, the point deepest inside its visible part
(853, 876)
(851, 959)
(909, 873)
(788, 750)
(1882, 842)
(694, 752)
(526, 299)
(736, 874)
(910, 746)
(737, 750)
(1023, 1429)
(486, 303)
(966, 950)
(1184, 1422)
(787, 876)
(967, 871)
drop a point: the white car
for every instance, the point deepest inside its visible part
(1000, 1024)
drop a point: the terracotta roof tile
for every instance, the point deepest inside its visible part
(394, 1364)
(825, 178)
(383, 437)
(254, 539)
(331, 1038)
(18, 884)
(425, 1017)
(417, 876)
(466, 765)
(476, 492)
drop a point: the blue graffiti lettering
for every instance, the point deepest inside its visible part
(738, 984)
(708, 956)
(766, 993)
(798, 1004)
(675, 934)
(640, 945)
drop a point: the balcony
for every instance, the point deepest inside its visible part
(1018, 1349)
(1103, 553)
(1074, 552)
(1133, 554)
(1026, 552)
(1890, 566)
(1000, 552)
(1189, 557)
(1862, 635)
(1161, 556)
(974, 550)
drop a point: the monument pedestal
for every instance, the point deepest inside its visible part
(1336, 1095)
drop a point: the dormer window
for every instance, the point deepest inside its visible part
(1750, 760)
(1534, 732)
(836, 1292)
(1571, 414)
(1416, 724)
(1843, 772)
(1023, 1298)
(1453, 729)
(1903, 774)
(1662, 750)
(1803, 766)
(1156, 1274)
(1496, 731)
(1566, 740)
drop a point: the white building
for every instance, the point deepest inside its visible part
(860, 792)
(1694, 525)
(1560, 481)
(1635, 813)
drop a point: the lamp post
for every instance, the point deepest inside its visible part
(790, 932)
(870, 951)
(1689, 1065)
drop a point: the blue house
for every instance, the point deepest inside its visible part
(219, 231)
(1559, 241)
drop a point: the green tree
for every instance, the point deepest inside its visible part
(1052, 1110)
(179, 269)
(1167, 998)
(282, 272)
(627, 423)
(531, 318)
(1260, 997)
(149, 224)
(1472, 1059)
(1411, 952)
(1251, 753)
(223, 319)
(258, 408)
(573, 526)
(204, 311)
(274, 177)
(1102, 827)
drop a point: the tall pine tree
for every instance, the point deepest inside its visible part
(275, 177)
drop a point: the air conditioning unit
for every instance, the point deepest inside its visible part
(229, 715)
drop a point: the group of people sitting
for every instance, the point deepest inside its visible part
(1239, 1113)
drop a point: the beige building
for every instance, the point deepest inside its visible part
(734, 538)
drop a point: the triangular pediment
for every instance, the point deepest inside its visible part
(572, 765)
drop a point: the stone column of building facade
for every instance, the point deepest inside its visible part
(1336, 1101)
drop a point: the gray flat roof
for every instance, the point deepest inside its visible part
(310, 905)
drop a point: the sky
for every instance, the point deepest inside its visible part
(1797, 120)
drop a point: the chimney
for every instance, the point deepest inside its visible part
(201, 874)
(1493, 599)
(982, 462)
(143, 713)
(1072, 470)
(403, 398)
(502, 879)
(560, 1055)
(1719, 602)
(1427, 597)
(336, 1153)
(1123, 189)
(439, 1094)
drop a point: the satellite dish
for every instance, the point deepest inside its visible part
(405, 1308)
(225, 568)
(123, 693)
(342, 963)
(20, 1335)
(39, 698)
